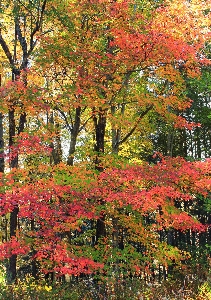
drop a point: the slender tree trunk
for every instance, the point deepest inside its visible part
(1, 138)
(170, 139)
(11, 272)
(12, 267)
(191, 143)
(1, 144)
(56, 154)
(74, 135)
(198, 143)
(100, 125)
(34, 262)
(14, 164)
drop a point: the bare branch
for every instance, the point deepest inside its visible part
(37, 27)
(84, 124)
(21, 38)
(6, 49)
(65, 118)
(135, 126)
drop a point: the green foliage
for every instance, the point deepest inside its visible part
(114, 226)
(30, 289)
(204, 291)
(113, 289)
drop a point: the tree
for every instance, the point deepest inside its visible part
(26, 19)
(100, 72)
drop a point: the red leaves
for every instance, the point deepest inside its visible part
(60, 260)
(183, 221)
(13, 247)
(154, 188)
(156, 192)
(167, 37)
(27, 144)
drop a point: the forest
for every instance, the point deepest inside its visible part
(105, 146)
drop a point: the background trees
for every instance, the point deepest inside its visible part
(94, 87)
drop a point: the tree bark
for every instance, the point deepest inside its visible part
(99, 125)
(74, 134)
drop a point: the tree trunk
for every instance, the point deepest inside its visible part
(11, 272)
(74, 135)
(1, 144)
(100, 125)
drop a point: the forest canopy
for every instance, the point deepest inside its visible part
(105, 135)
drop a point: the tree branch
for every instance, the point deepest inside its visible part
(84, 124)
(135, 126)
(65, 118)
(21, 39)
(6, 49)
(37, 27)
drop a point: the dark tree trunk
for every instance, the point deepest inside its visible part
(11, 272)
(16, 68)
(56, 154)
(74, 135)
(1, 144)
(1, 140)
(100, 125)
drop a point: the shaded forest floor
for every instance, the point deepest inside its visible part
(131, 289)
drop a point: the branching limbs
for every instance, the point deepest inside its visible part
(26, 49)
